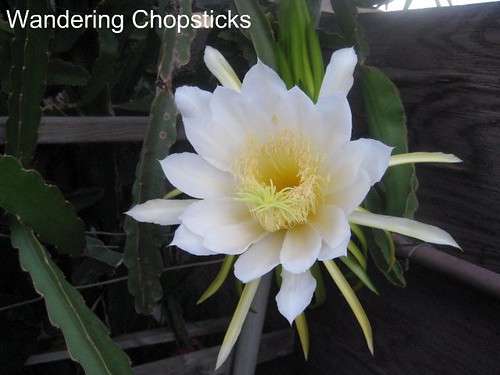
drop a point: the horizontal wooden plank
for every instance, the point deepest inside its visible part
(273, 345)
(54, 130)
(143, 338)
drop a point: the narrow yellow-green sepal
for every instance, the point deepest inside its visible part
(234, 329)
(352, 300)
(354, 250)
(360, 235)
(219, 279)
(423, 157)
(356, 268)
(303, 330)
(172, 194)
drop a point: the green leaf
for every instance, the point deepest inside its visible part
(387, 122)
(6, 35)
(62, 72)
(86, 336)
(396, 275)
(64, 39)
(346, 16)
(29, 68)
(85, 197)
(97, 250)
(142, 249)
(333, 41)
(102, 70)
(260, 31)
(226, 267)
(142, 104)
(5, 30)
(39, 206)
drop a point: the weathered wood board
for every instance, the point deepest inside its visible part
(432, 327)
(446, 64)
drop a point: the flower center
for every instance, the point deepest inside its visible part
(279, 181)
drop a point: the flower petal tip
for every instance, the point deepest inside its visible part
(221, 69)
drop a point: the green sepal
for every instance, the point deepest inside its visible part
(225, 268)
(283, 67)
(352, 300)
(358, 232)
(358, 270)
(234, 329)
(357, 254)
(303, 331)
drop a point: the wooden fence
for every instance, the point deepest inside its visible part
(446, 63)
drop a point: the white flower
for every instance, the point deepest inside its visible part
(277, 177)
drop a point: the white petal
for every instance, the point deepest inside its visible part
(260, 258)
(338, 74)
(191, 174)
(328, 252)
(203, 216)
(160, 211)
(363, 154)
(231, 114)
(221, 69)
(234, 238)
(335, 121)
(205, 136)
(349, 197)
(331, 223)
(295, 294)
(193, 102)
(190, 242)
(300, 248)
(376, 157)
(296, 112)
(403, 226)
(262, 88)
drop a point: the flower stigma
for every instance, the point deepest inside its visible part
(279, 180)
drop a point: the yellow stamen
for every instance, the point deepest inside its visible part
(279, 181)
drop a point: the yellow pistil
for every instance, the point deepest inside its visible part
(279, 181)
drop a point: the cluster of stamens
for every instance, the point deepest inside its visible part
(279, 181)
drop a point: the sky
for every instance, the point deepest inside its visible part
(417, 4)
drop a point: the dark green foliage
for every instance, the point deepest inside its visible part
(346, 16)
(40, 207)
(86, 336)
(142, 250)
(28, 79)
